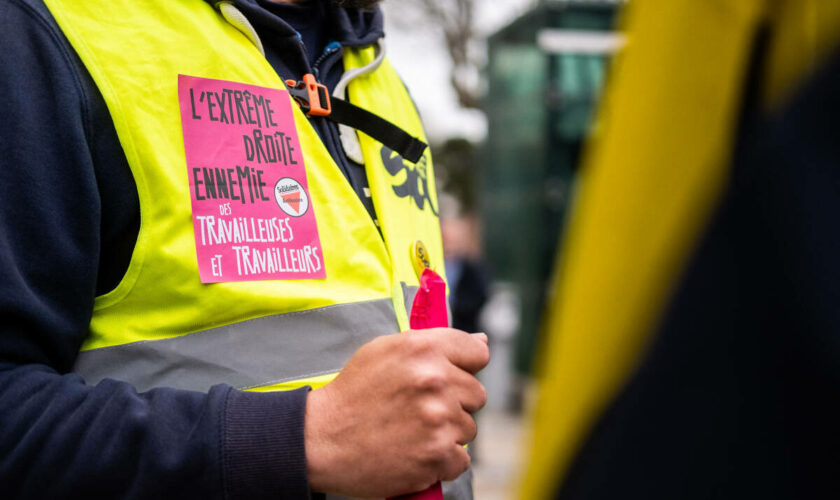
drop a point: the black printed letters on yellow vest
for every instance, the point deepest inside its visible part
(416, 182)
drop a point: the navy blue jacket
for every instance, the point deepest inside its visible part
(69, 216)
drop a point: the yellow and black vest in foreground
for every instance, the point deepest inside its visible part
(675, 351)
(162, 326)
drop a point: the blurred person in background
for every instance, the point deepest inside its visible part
(468, 281)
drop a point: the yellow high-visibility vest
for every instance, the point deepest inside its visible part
(161, 326)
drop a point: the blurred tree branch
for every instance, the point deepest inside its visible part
(456, 21)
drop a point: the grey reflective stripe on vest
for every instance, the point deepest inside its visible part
(252, 353)
(408, 295)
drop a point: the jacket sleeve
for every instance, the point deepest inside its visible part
(58, 436)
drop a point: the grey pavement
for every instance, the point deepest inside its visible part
(498, 455)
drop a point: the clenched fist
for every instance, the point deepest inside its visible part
(397, 416)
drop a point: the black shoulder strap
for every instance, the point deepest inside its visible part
(382, 130)
(314, 100)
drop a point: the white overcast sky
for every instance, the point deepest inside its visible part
(420, 58)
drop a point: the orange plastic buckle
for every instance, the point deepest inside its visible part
(311, 96)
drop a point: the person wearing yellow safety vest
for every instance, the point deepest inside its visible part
(209, 209)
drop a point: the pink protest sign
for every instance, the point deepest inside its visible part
(252, 213)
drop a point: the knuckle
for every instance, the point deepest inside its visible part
(467, 429)
(476, 396)
(482, 395)
(465, 465)
(427, 379)
(458, 464)
(471, 430)
(434, 415)
(484, 354)
(435, 455)
(421, 344)
(442, 449)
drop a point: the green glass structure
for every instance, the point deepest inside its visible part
(545, 73)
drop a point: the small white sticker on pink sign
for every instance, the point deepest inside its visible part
(252, 213)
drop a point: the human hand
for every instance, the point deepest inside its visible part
(397, 416)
